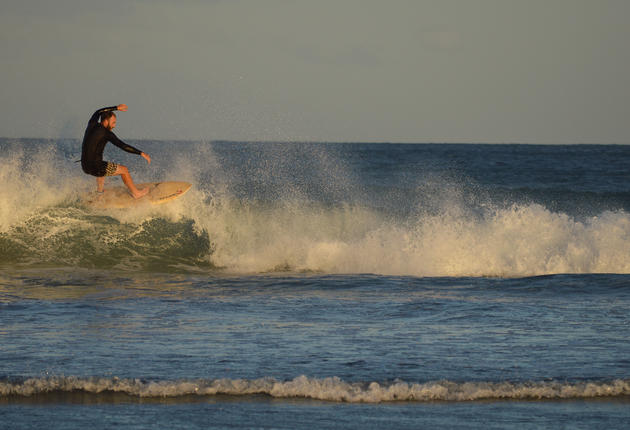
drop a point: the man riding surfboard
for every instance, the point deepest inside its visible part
(97, 134)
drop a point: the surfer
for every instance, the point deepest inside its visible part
(96, 137)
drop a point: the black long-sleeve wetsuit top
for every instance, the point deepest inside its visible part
(94, 141)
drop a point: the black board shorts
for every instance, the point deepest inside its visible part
(102, 168)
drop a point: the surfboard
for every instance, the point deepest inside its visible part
(119, 197)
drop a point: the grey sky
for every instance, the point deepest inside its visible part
(540, 71)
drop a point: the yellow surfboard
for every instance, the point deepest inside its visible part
(119, 197)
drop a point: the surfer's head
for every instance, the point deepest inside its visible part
(108, 120)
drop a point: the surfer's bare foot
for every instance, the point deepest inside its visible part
(140, 193)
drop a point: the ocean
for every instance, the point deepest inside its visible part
(318, 285)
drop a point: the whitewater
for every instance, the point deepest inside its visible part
(347, 285)
(257, 214)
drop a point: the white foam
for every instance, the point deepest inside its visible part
(30, 182)
(294, 233)
(523, 240)
(329, 389)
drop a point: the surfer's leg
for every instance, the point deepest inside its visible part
(100, 184)
(100, 170)
(126, 177)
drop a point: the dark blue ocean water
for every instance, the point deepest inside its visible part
(302, 285)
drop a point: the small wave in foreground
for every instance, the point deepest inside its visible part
(328, 389)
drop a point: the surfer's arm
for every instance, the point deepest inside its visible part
(111, 137)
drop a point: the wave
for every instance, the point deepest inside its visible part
(512, 242)
(248, 238)
(213, 228)
(331, 389)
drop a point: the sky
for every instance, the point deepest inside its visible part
(496, 71)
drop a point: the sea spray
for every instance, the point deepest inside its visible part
(33, 177)
(264, 208)
(517, 241)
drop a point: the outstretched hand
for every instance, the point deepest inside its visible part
(122, 107)
(146, 157)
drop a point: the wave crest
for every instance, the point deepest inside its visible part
(328, 389)
(328, 225)
(521, 240)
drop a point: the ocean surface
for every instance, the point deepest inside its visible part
(318, 285)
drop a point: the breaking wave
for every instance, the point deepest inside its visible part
(328, 389)
(42, 223)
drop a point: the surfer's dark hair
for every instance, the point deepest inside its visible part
(107, 115)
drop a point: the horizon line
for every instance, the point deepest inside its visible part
(349, 142)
